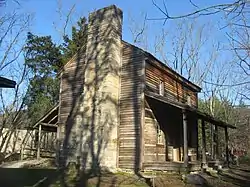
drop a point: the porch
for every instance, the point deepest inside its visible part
(171, 166)
(181, 149)
(44, 140)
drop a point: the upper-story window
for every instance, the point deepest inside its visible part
(189, 100)
(161, 87)
(187, 97)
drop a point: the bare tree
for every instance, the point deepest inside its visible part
(231, 10)
(139, 31)
(236, 20)
(13, 28)
(192, 51)
(183, 49)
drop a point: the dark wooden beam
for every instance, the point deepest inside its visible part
(203, 142)
(7, 83)
(185, 138)
(200, 115)
(227, 150)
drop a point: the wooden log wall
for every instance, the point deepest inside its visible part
(129, 132)
(173, 88)
(72, 79)
(71, 88)
(177, 89)
(153, 150)
(169, 119)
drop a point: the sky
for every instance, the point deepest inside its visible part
(46, 16)
(49, 17)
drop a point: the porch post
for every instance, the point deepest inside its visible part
(197, 139)
(227, 151)
(212, 140)
(39, 141)
(185, 138)
(204, 158)
(216, 142)
(22, 151)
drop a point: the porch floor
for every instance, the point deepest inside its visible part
(171, 166)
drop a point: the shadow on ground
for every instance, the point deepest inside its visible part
(20, 177)
(236, 176)
(232, 177)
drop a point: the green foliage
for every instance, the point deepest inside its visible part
(244, 160)
(219, 109)
(41, 96)
(45, 59)
(79, 37)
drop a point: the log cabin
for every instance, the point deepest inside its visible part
(121, 107)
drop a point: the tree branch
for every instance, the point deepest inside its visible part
(214, 9)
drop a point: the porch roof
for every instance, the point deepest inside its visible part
(7, 83)
(182, 106)
(50, 119)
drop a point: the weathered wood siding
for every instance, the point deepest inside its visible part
(175, 89)
(168, 121)
(130, 135)
(72, 79)
(153, 150)
(171, 166)
(166, 118)
(71, 90)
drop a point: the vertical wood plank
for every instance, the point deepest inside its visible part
(185, 138)
(39, 141)
(204, 159)
(142, 112)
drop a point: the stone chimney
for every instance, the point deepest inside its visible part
(100, 105)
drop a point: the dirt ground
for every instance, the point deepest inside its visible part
(39, 176)
(233, 177)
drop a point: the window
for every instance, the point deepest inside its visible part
(189, 100)
(187, 97)
(161, 88)
(160, 136)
